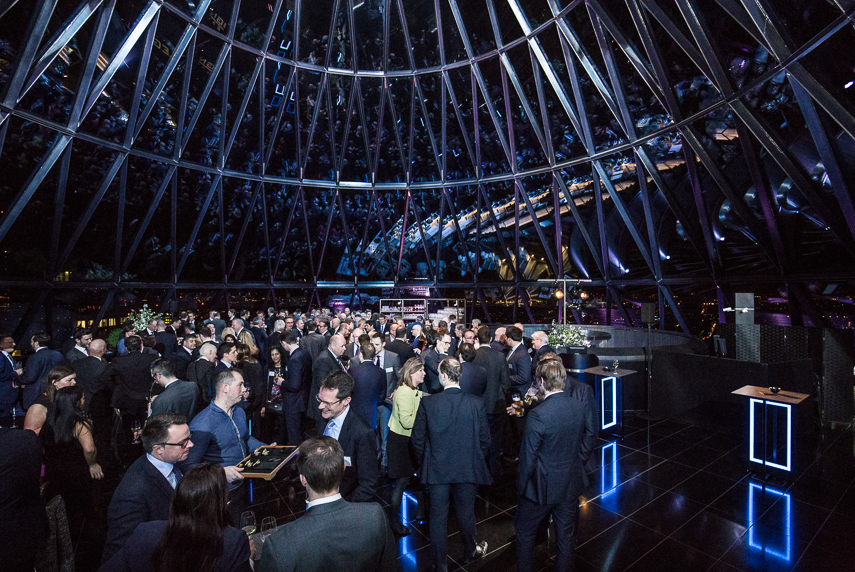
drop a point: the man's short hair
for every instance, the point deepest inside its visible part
(224, 378)
(451, 368)
(133, 343)
(366, 349)
(161, 323)
(204, 349)
(514, 333)
(484, 335)
(279, 326)
(156, 429)
(78, 333)
(42, 339)
(467, 352)
(224, 348)
(289, 337)
(164, 367)
(400, 332)
(341, 382)
(321, 462)
(553, 374)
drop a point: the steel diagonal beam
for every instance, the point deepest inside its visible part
(403, 234)
(311, 135)
(828, 152)
(94, 51)
(177, 148)
(701, 206)
(90, 210)
(524, 295)
(556, 206)
(476, 126)
(648, 218)
(203, 98)
(245, 102)
(517, 249)
(173, 228)
(130, 127)
(189, 247)
(275, 273)
(783, 157)
(58, 207)
(808, 305)
(482, 191)
(379, 137)
(221, 215)
(583, 129)
(491, 109)
(433, 271)
(544, 110)
(30, 314)
(459, 233)
(64, 35)
(764, 193)
(447, 80)
(24, 58)
(103, 310)
(601, 229)
(383, 229)
(317, 271)
(625, 215)
(709, 51)
(533, 214)
(515, 81)
(346, 129)
(684, 325)
(439, 240)
(266, 233)
(679, 38)
(147, 219)
(406, 31)
(33, 183)
(397, 133)
(363, 242)
(246, 218)
(480, 294)
(347, 243)
(461, 29)
(428, 127)
(614, 74)
(619, 305)
(579, 222)
(360, 104)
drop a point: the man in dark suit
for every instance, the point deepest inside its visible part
(198, 371)
(540, 346)
(355, 436)
(227, 355)
(218, 323)
(357, 534)
(391, 365)
(328, 362)
(165, 343)
(313, 342)
(178, 396)
(295, 389)
(525, 339)
(432, 357)
(500, 340)
(9, 382)
(382, 326)
(550, 476)
(89, 371)
(145, 492)
(369, 386)
(519, 367)
(37, 368)
(400, 346)
(183, 357)
(23, 521)
(473, 379)
(149, 330)
(498, 384)
(260, 336)
(451, 439)
(82, 338)
(130, 377)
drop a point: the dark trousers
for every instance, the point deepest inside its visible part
(497, 436)
(238, 501)
(464, 506)
(529, 516)
(292, 432)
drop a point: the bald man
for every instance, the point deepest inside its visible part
(328, 361)
(89, 370)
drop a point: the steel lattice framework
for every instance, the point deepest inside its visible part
(655, 146)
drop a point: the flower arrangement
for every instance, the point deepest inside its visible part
(562, 335)
(143, 317)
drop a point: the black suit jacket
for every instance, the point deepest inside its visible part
(74, 355)
(519, 366)
(143, 495)
(178, 397)
(584, 393)
(23, 521)
(89, 371)
(36, 370)
(359, 444)
(451, 438)
(322, 367)
(402, 348)
(136, 555)
(315, 344)
(432, 358)
(551, 465)
(369, 389)
(130, 375)
(197, 372)
(297, 385)
(353, 536)
(473, 379)
(544, 349)
(498, 378)
(165, 343)
(181, 359)
(8, 394)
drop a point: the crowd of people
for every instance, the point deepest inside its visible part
(432, 406)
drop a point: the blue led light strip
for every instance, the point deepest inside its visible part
(751, 457)
(752, 542)
(603, 401)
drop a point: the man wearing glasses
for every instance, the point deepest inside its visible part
(145, 492)
(221, 435)
(353, 434)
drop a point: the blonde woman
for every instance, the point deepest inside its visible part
(402, 459)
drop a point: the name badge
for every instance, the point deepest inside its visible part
(347, 462)
(389, 370)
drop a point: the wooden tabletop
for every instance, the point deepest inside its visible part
(764, 393)
(598, 370)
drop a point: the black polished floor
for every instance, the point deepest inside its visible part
(668, 496)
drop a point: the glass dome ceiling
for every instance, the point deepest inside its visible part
(653, 147)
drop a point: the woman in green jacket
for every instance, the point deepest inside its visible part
(402, 460)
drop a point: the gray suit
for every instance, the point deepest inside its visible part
(178, 397)
(333, 536)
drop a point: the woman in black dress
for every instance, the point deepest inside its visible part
(272, 409)
(198, 537)
(254, 378)
(59, 377)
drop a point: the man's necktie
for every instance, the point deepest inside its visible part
(377, 361)
(174, 476)
(329, 430)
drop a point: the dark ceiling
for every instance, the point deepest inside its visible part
(658, 148)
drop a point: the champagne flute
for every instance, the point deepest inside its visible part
(247, 522)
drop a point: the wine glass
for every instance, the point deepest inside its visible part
(135, 428)
(247, 522)
(615, 364)
(268, 524)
